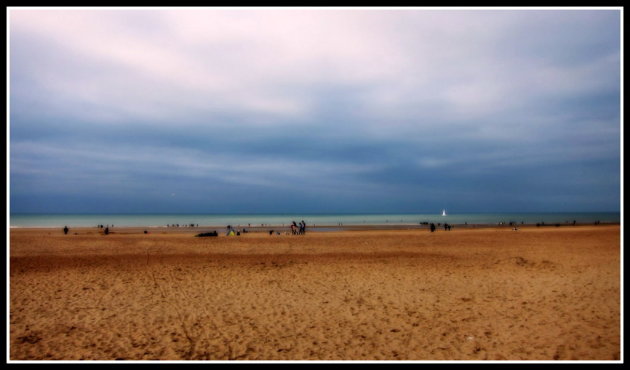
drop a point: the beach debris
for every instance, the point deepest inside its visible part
(212, 233)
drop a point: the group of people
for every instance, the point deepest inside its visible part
(298, 229)
(232, 231)
(432, 226)
(105, 231)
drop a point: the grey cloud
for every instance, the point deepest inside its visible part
(507, 110)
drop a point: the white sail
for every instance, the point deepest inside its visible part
(443, 212)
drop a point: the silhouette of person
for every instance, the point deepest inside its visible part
(106, 230)
(65, 229)
(294, 228)
(432, 227)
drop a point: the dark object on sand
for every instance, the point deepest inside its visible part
(213, 233)
(270, 232)
(146, 232)
(65, 229)
(106, 230)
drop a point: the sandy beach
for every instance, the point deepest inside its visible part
(550, 293)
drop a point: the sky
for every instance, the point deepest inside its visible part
(321, 110)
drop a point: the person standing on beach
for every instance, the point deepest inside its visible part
(230, 231)
(432, 227)
(65, 230)
(294, 228)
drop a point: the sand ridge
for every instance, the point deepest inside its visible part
(467, 294)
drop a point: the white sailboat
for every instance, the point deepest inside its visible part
(443, 212)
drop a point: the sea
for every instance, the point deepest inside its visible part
(22, 220)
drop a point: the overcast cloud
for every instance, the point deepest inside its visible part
(314, 110)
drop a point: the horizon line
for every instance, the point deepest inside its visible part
(295, 213)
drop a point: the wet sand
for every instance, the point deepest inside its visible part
(468, 294)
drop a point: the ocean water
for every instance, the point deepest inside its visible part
(157, 220)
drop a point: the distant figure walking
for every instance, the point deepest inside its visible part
(302, 227)
(106, 230)
(432, 227)
(65, 229)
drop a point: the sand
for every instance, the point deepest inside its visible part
(469, 294)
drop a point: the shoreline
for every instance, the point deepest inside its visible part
(380, 220)
(312, 228)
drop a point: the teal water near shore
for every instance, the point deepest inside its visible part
(157, 220)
